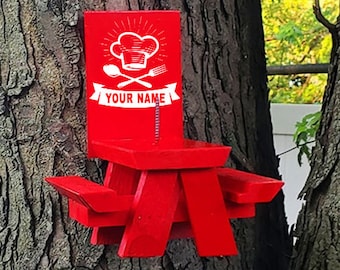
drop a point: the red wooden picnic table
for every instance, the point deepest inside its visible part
(158, 185)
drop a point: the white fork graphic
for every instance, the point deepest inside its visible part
(152, 73)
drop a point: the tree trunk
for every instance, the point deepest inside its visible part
(318, 227)
(43, 132)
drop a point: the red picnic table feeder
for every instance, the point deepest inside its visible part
(158, 185)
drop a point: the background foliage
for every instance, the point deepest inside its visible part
(293, 36)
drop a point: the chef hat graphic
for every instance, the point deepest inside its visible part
(134, 50)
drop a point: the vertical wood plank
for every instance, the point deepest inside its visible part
(154, 208)
(208, 216)
(124, 181)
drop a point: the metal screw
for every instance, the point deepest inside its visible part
(157, 120)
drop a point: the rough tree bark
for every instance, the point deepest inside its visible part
(318, 227)
(42, 129)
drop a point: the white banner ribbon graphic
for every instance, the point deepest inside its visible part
(134, 99)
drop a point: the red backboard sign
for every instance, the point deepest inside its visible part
(133, 63)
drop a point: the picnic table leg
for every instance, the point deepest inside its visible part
(208, 216)
(153, 210)
(124, 181)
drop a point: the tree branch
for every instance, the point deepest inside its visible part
(297, 69)
(295, 147)
(319, 16)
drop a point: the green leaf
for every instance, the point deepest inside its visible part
(304, 133)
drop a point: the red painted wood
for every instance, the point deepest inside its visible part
(90, 218)
(208, 216)
(124, 181)
(181, 230)
(243, 187)
(112, 225)
(235, 210)
(107, 235)
(154, 206)
(134, 118)
(181, 227)
(92, 195)
(167, 154)
(132, 44)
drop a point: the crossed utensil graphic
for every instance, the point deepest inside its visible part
(114, 71)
